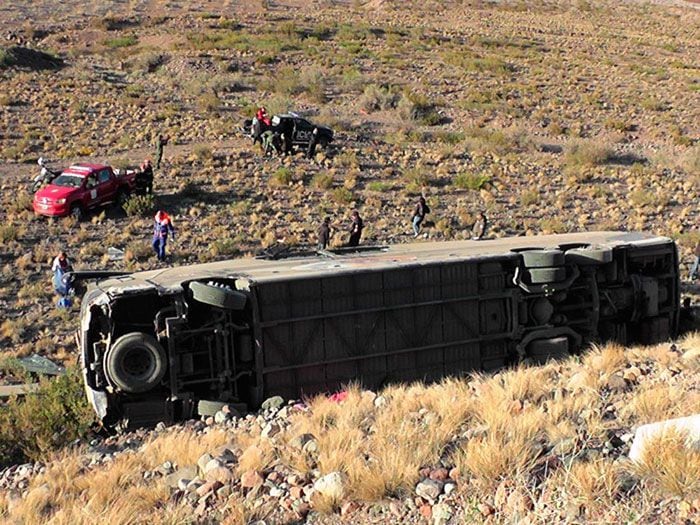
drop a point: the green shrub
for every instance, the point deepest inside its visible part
(122, 41)
(44, 421)
(8, 232)
(140, 205)
(224, 247)
(586, 153)
(529, 197)
(414, 107)
(202, 152)
(281, 177)
(497, 141)
(471, 181)
(378, 186)
(208, 102)
(322, 181)
(342, 196)
(376, 98)
(415, 177)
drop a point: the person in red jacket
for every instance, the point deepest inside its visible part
(263, 117)
(163, 225)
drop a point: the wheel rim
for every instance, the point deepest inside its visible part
(137, 363)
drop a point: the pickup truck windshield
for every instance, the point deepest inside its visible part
(70, 181)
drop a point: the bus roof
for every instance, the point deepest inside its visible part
(392, 256)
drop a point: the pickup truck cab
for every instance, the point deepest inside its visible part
(81, 188)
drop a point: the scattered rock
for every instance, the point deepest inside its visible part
(485, 509)
(689, 426)
(331, 486)
(440, 474)
(442, 512)
(616, 383)
(429, 489)
(272, 403)
(251, 479)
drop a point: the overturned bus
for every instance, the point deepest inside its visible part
(171, 343)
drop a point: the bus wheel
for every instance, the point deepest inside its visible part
(135, 363)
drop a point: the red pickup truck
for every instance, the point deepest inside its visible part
(81, 188)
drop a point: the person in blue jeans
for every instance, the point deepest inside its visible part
(163, 225)
(60, 267)
(419, 214)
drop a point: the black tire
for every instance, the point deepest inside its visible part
(76, 211)
(545, 275)
(209, 408)
(122, 197)
(542, 350)
(323, 142)
(541, 258)
(135, 363)
(36, 186)
(219, 296)
(591, 255)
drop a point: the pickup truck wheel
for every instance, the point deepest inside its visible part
(541, 350)
(541, 258)
(135, 363)
(545, 275)
(218, 295)
(122, 197)
(77, 212)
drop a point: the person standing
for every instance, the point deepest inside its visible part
(162, 141)
(61, 265)
(419, 213)
(311, 150)
(355, 229)
(163, 225)
(324, 234)
(144, 178)
(479, 228)
(696, 264)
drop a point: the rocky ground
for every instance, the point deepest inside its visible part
(550, 116)
(533, 445)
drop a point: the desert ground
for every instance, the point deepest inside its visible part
(548, 116)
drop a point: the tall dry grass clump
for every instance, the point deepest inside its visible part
(668, 464)
(380, 444)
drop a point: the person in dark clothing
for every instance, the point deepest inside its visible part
(144, 178)
(355, 229)
(162, 141)
(324, 234)
(311, 150)
(419, 214)
(479, 228)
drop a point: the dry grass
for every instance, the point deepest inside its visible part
(72, 493)
(501, 432)
(669, 465)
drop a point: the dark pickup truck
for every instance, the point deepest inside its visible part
(171, 343)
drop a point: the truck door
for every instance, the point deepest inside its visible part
(92, 197)
(106, 185)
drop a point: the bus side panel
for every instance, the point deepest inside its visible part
(411, 323)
